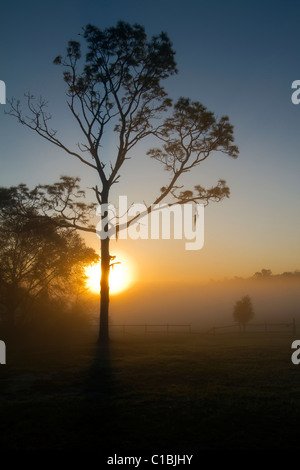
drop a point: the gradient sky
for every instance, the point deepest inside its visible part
(237, 58)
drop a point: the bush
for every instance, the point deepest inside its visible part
(243, 311)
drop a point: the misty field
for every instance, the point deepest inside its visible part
(161, 393)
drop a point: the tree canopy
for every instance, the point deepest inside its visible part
(39, 258)
(243, 310)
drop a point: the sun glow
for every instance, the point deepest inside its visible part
(120, 276)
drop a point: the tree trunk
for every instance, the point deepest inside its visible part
(104, 295)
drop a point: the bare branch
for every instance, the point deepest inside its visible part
(38, 122)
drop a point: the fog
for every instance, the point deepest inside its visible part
(206, 305)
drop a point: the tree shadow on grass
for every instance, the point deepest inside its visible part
(99, 413)
(99, 376)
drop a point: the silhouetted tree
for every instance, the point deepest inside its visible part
(243, 311)
(263, 274)
(37, 255)
(118, 87)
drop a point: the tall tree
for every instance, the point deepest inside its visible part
(119, 86)
(37, 255)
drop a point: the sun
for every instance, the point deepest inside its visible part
(120, 276)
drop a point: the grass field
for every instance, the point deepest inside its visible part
(160, 393)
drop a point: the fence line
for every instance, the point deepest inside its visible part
(148, 327)
(171, 328)
(265, 327)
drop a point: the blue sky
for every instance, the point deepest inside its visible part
(238, 59)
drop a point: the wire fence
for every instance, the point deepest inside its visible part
(148, 329)
(167, 329)
(265, 327)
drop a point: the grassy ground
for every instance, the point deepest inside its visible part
(175, 393)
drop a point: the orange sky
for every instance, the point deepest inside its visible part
(247, 77)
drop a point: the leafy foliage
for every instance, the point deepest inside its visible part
(118, 86)
(39, 258)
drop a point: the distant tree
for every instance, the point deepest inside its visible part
(263, 274)
(118, 87)
(267, 274)
(243, 311)
(38, 256)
